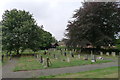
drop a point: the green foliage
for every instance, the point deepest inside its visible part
(96, 22)
(20, 31)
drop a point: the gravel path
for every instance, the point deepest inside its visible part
(8, 73)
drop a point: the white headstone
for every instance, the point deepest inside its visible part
(113, 54)
(79, 56)
(107, 53)
(68, 59)
(101, 53)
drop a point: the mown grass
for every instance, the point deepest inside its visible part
(32, 63)
(110, 72)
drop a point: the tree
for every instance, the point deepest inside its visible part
(19, 30)
(96, 22)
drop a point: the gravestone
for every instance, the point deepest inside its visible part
(61, 52)
(2, 57)
(72, 54)
(91, 52)
(48, 62)
(68, 59)
(86, 57)
(65, 54)
(113, 54)
(107, 53)
(93, 58)
(101, 53)
(41, 59)
(54, 56)
(79, 56)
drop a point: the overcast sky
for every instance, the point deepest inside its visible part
(52, 14)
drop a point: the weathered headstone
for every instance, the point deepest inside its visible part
(91, 52)
(65, 54)
(107, 53)
(68, 59)
(93, 58)
(113, 54)
(79, 56)
(86, 57)
(2, 57)
(72, 54)
(48, 62)
(61, 52)
(101, 53)
(41, 59)
(54, 56)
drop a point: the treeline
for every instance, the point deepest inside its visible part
(20, 32)
(97, 24)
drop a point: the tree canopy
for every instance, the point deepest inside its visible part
(97, 22)
(20, 31)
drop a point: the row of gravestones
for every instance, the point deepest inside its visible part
(47, 61)
(108, 53)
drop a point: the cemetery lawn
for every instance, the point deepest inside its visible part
(110, 72)
(32, 63)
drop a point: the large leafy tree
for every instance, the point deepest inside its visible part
(20, 32)
(97, 22)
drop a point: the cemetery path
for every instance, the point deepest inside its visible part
(8, 73)
(8, 67)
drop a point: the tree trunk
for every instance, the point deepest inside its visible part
(17, 52)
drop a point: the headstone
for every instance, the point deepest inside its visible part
(113, 54)
(61, 52)
(65, 54)
(91, 52)
(86, 57)
(93, 58)
(107, 53)
(54, 55)
(68, 59)
(41, 59)
(2, 57)
(79, 56)
(101, 53)
(48, 62)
